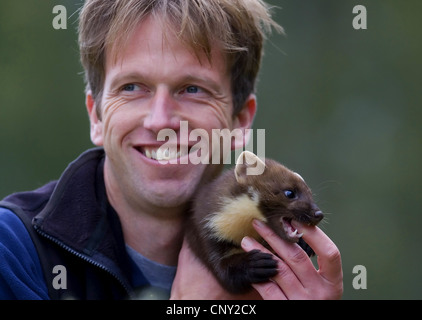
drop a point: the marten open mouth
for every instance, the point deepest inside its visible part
(291, 233)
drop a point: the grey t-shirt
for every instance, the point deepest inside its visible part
(158, 275)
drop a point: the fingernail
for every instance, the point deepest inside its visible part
(258, 223)
(246, 242)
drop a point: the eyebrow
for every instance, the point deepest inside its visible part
(121, 79)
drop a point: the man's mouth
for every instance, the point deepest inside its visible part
(165, 154)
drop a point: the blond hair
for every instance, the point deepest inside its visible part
(237, 26)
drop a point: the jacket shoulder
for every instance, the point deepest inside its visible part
(21, 275)
(32, 201)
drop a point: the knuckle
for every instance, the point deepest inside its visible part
(298, 256)
(270, 289)
(333, 255)
(283, 270)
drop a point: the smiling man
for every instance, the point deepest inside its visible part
(114, 220)
(138, 101)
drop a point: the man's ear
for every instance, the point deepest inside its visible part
(96, 124)
(243, 120)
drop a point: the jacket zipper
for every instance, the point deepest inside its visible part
(85, 258)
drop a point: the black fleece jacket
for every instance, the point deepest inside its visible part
(73, 225)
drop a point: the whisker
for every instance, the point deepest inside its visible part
(326, 184)
(274, 215)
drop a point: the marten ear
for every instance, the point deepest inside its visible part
(248, 164)
(299, 176)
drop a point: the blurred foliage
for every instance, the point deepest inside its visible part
(341, 106)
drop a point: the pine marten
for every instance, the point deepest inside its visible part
(223, 211)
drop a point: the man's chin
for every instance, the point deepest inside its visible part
(170, 194)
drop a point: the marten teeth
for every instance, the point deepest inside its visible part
(295, 234)
(288, 228)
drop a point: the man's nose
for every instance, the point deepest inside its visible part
(163, 112)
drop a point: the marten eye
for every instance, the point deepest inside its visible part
(290, 194)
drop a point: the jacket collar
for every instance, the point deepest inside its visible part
(78, 215)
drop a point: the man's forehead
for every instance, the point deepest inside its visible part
(159, 28)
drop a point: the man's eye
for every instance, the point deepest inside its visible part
(129, 87)
(192, 89)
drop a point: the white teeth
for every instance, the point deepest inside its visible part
(295, 234)
(288, 229)
(148, 153)
(163, 154)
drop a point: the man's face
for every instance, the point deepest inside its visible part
(156, 83)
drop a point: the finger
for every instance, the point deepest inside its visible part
(269, 291)
(285, 284)
(329, 258)
(291, 253)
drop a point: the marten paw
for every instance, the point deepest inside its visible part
(260, 266)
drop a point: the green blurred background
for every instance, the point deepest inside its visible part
(341, 106)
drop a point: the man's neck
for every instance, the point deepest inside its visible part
(155, 232)
(159, 240)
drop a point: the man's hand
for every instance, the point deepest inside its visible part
(194, 281)
(297, 277)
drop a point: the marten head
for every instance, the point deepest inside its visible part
(282, 194)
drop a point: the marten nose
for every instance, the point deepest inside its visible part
(318, 215)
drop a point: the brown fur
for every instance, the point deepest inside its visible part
(223, 211)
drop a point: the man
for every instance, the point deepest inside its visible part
(113, 223)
